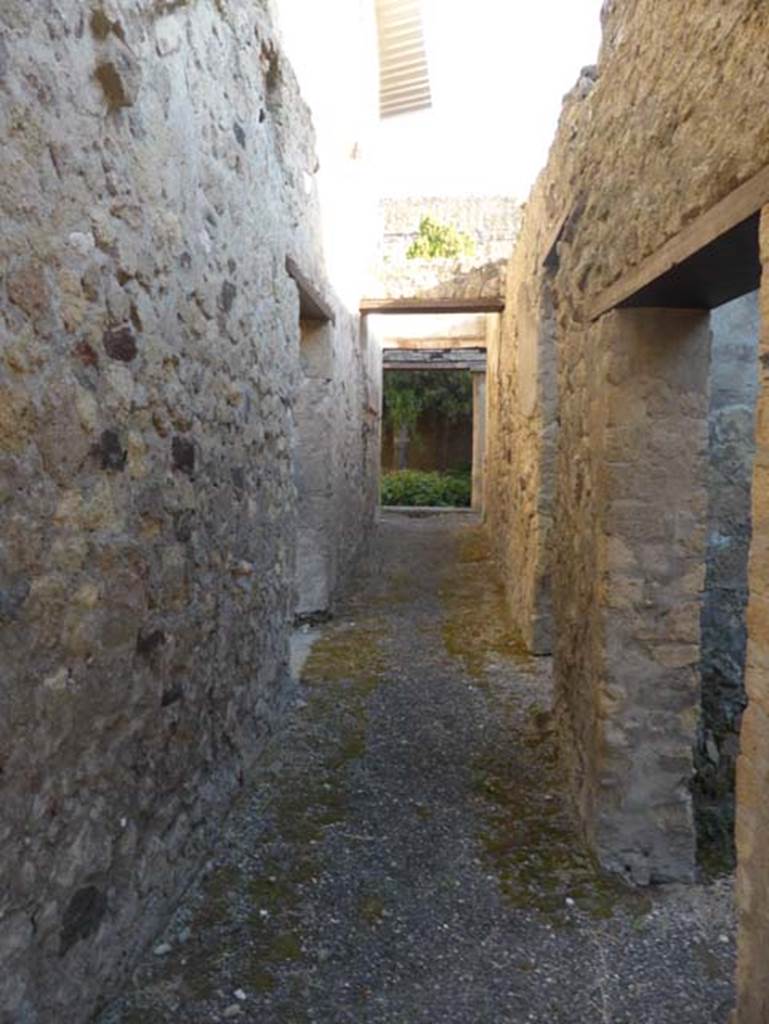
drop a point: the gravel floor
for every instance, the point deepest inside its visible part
(409, 857)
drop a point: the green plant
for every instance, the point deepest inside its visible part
(402, 405)
(407, 393)
(439, 241)
(415, 488)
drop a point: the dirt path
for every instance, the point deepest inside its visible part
(409, 859)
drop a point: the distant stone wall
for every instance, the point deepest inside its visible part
(450, 279)
(492, 222)
(733, 385)
(157, 166)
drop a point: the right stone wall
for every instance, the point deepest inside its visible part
(671, 122)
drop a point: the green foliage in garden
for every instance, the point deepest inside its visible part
(407, 393)
(414, 487)
(437, 241)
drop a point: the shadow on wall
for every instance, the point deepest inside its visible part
(731, 445)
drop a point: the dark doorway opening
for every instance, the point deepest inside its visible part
(735, 329)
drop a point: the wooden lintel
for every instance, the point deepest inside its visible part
(421, 344)
(424, 305)
(477, 366)
(312, 305)
(437, 359)
(736, 208)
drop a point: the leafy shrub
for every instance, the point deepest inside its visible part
(415, 487)
(408, 393)
(437, 241)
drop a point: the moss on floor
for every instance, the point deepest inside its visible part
(350, 652)
(529, 837)
(476, 624)
(344, 667)
(372, 908)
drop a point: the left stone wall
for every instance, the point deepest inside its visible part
(157, 166)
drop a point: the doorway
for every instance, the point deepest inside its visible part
(735, 328)
(434, 410)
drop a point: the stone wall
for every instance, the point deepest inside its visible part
(522, 435)
(453, 279)
(646, 143)
(157, 166)
(733, 383)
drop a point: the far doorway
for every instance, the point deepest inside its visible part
(433, 410)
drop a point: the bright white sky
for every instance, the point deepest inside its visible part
(499, 70)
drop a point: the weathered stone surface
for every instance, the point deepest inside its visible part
(82, 917)
(522, 438)
(27, 288)
(455, 279)
(113, 454)
(643, 148)
(650, 546)
(149, 377)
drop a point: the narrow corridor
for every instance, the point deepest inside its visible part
(409, 857)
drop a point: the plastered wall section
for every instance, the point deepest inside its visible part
(627, 578)
(652, 524)
(157, 165)
(337, 444)
(337, 412)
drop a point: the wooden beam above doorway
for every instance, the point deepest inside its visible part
(712, 260)
(435, 359)
(426, 305)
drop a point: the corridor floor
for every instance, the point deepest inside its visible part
(409, 858)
